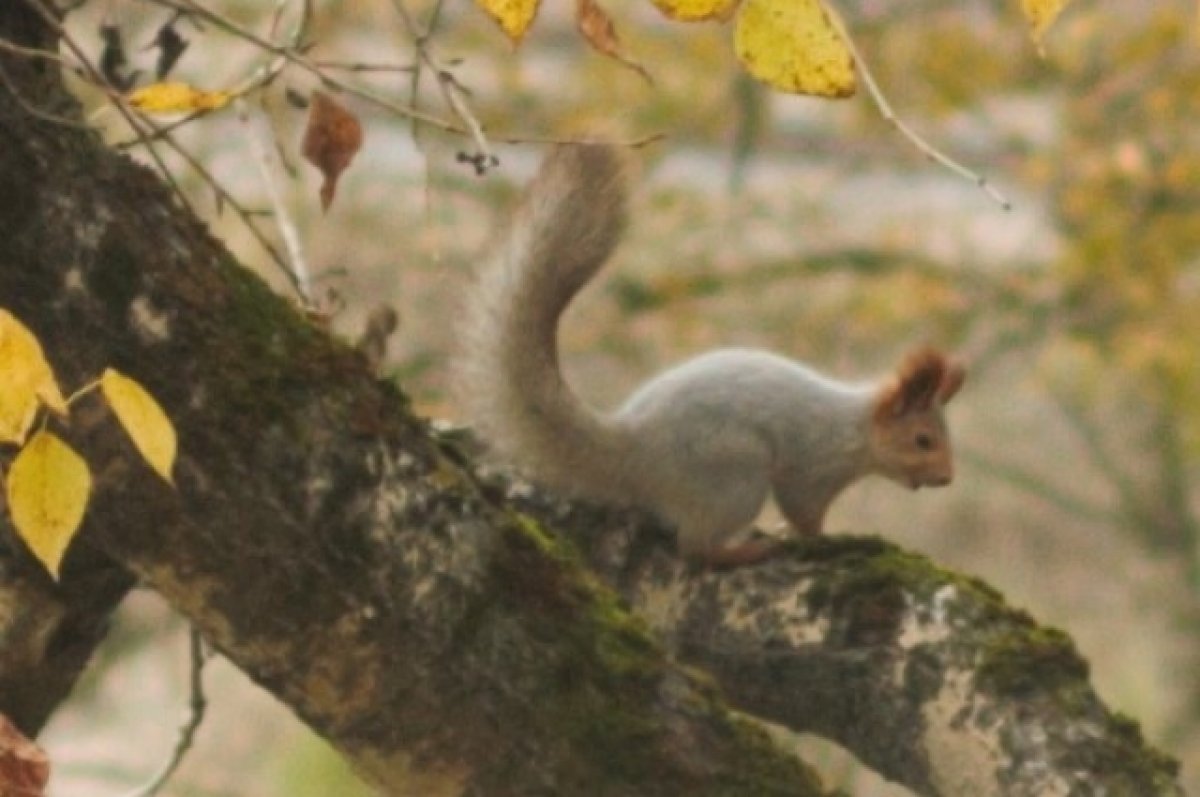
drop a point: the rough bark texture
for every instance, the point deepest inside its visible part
(348, 559)
(926, 675)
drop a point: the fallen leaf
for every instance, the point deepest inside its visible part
(176, 97)
(24, 767)
(696, 10)
(48, 488)
(597, 28)
(513, 16)
(793, 46)
(331, 140)
(143, 419)
(25, 380)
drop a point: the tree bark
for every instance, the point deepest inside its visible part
(924, 674)
(353, 562)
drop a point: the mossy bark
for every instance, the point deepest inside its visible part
(927, 676)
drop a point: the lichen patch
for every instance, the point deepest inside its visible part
(147, 322)
(931, 626)
(786, 618)
(962, 754)
(73, 281)
(661, 605)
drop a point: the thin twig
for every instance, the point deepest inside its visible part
(259, 79)
(197, 703)
(358, 66)
(264, 157)
(161, 130)
(94, 74)
(451, 91)
(282, 152)
(629, 143)
(414, 94)
(156, 132)
(32, 109)
(296, 57)
(277, 15)
(30, 52)
(435, 17)
(224, 197)
(889, 115)
(295, 44)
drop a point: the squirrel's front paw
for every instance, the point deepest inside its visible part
(757, 546)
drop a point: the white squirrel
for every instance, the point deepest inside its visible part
(704, 443)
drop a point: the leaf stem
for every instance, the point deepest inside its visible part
(889, 115)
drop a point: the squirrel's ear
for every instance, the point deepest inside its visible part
(952, 380)
(925, 376)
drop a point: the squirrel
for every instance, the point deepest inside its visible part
(703, 444)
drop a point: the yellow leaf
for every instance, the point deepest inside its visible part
(148, 426)
(696, 10)
(25, 379)
(1041, 15)
(48, 486)
(514, 16)
(792, 45)
(177, 98)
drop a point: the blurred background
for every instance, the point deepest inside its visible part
(809, 227)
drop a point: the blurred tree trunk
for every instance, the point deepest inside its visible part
(353, 563)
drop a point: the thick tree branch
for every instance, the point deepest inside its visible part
(348, 560)
(927, 676)
(49, 632)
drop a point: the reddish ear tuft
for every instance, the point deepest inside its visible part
(952, 380)
(925, 376)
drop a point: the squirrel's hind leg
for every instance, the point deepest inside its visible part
(714, 520)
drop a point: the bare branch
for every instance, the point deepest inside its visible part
(889, 115)
(265, 159)
(450, 89)
(294, 56)
(197, 703)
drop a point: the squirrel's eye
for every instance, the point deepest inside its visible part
(924, 441)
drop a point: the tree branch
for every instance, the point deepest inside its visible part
(927, 676)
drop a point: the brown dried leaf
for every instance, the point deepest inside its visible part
(331, 140)
(597, 28)
(24, 768)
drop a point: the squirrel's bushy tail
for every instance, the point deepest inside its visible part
(566, 225)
